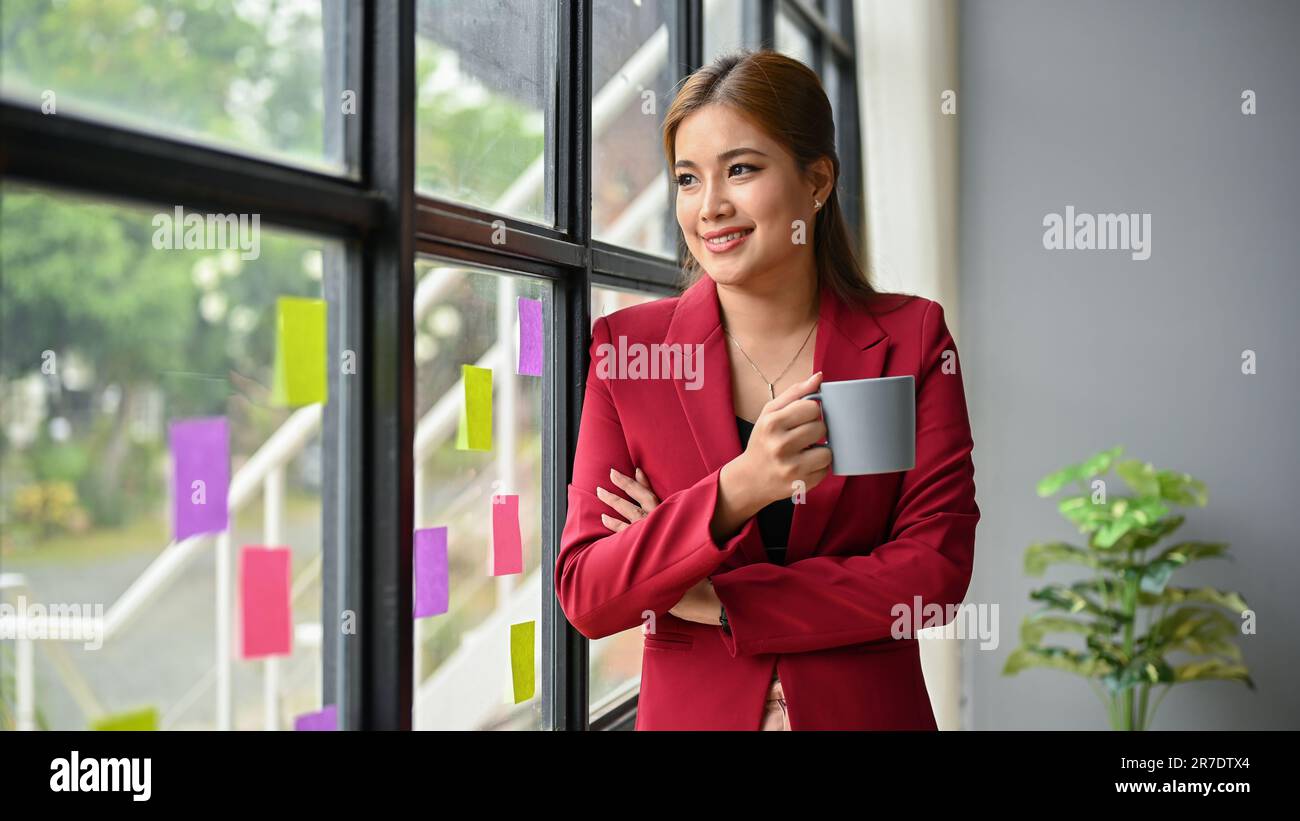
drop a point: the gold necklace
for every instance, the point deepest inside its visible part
(771, 384)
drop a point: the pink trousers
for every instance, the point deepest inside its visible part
(774, 712)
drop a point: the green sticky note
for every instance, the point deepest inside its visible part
(300, 355)
(474, 428)
(142, 719)
(521, 659)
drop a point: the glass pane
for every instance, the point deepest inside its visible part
(615, 660)
(633, 85)
(485, 91)
(724, 28)
(463, 674)
(110, 336)
(793, 40)
(253, 76)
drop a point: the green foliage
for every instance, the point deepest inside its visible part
(1122, 664)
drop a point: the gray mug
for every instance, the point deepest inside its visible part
(870, 424)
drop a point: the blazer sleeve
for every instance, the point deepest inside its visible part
(608, 582)
(830, 601)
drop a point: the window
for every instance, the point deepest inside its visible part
(463, 678)
(247, 76)
(485, 125)
(109, 340)
(433, 184)
(630, 195)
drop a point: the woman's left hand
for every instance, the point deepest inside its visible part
(700, 603)
(638, 489)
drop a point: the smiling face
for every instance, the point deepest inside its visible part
(731, 177)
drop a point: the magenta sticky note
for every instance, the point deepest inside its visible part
(266, 626)
(530, 337)
(431, 588)
(200, 450)
(507, 546)
(324, 719)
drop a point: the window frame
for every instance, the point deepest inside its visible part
(369, 424)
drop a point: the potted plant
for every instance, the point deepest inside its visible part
(1120, 663)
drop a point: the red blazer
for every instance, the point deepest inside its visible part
(858, 545)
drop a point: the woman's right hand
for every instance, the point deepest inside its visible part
(779, 453)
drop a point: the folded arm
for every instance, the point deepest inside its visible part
(606, 581)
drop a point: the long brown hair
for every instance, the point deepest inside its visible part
(785, 98)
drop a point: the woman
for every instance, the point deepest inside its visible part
(768, 588)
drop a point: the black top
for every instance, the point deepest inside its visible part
(775, 519)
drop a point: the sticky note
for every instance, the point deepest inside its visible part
(530, 337)
(300, 352)
(431, 589)
(521, 659)
(325, 719)
(200, 450)
(266, 626)
(474, 430)
(145, 718)
(507, 546)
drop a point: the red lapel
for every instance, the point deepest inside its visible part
(850, 345)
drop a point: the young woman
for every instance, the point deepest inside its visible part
(771, 592)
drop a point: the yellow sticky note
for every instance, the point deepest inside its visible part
(300, 352)
(521, 659)
(142, 719)
(474, 428)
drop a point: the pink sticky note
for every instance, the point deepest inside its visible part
(267, 619)
(431, 589)
(530, 337)
(507, 545)
(325, 719)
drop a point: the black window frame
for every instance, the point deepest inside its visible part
(385, 223)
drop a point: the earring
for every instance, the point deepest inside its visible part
(817, 204)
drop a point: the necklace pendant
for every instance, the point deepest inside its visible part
(771, 389)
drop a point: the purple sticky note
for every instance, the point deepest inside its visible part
(507, 547)
(430, 571)
(530, 337)
(200, 450)
(326, 719)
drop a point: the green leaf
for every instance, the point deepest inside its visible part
(1100, 462)
(1072, 600)
(1185, 552)
(1041, 554)
(1050, 485)
(1107, 649)
(1182, 489)
(1156, 573)
(1212, 669)
(1037, 625)
(1228, 600)
(1058, 658)
(1144, 669)
(1194, 630)
(1143, 537)
(1141, 476)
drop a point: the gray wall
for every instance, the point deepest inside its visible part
(1134, 107)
